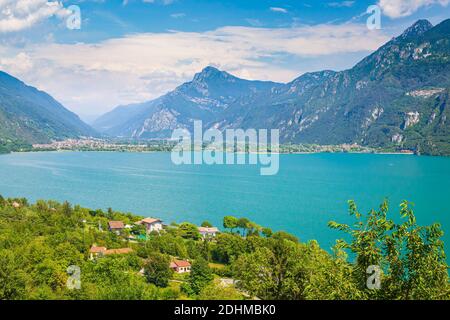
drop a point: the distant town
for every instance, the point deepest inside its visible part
(95, 144)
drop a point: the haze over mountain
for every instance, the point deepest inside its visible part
(397, 96)
(28, 115)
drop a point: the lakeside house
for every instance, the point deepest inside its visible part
(151, 224)
(116, 226)
(208, 232)
(180, 266)
(96, 252)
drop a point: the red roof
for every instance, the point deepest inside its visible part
(95, 249)
(179, 263)
(116, 225)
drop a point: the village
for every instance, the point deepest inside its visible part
(150, 225)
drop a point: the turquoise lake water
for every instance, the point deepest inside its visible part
(308, 191)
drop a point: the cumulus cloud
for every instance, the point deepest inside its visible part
(403, 8)
(93, 78)
(16, 15)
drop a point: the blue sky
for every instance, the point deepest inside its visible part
(134, 50)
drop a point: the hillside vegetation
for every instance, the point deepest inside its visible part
(39, 242)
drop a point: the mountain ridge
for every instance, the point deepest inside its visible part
(375, 103)
(28, 115)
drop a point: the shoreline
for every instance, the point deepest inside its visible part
(279, 153)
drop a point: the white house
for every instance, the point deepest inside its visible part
(208, 232)
(151, 224)
(180, 266)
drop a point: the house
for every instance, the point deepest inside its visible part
(151, 224)
(208, 232)
(180, 266)
(116, 226)
(95, 252)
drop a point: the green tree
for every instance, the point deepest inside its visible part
(243, 224)
(267, 232)
(206, 224)
(12, 279)
(157, 271)
(188, 231)
(2, 201)
(411, 257)
(230, 222)
(215, 291)
(273, 272)
(200, 276)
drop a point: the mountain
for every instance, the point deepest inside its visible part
(207, 97)
(28, 115)
(396, 97)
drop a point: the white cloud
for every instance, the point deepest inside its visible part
(16, 15)
(21, 63)
(163, 2)
(341, 4)
(178, 15)
(403, 8)
(93, 78)
(278, 9)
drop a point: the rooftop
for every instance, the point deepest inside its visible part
(118, 251)
(95, 249)
(116, 225)
(208, 230)
(149, 221)
(179, 263)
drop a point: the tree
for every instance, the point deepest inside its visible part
(12, 279)
(157, 270)
(66, 208)
(206, 224)
(267, 232)
(189, 231)
(253, 229)
(276, 271)
(285, 235)
(2, 201)
(243, 224)
(230, 222)
(215, 291)
(200, 276)
(228, 247)
(411, 258)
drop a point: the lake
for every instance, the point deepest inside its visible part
(308, 191)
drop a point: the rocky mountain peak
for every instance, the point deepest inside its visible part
(417, 29)
(210, 73)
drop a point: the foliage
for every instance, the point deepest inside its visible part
(157, 271)
(230, 222)
(38, 242)
(411, 257)
(200, 276)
